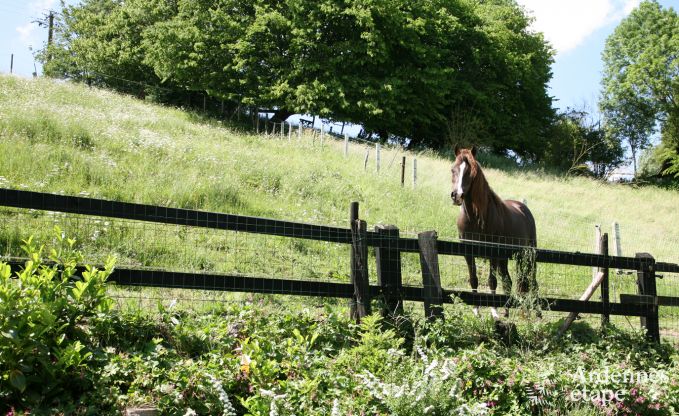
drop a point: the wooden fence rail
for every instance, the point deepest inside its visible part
(388, 246)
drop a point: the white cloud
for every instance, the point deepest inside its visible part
(26, 32)
(567, 24)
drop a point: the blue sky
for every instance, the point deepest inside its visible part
(576, 28)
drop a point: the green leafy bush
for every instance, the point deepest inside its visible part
(46, 311)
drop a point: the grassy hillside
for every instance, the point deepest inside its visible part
(59, 137)
(65, 138)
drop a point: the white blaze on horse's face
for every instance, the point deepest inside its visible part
(458, 183)
(460, 176)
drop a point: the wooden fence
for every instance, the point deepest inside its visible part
(388, 245)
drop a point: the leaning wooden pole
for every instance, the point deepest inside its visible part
(585, 296)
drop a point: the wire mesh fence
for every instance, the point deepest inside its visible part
(287, 253)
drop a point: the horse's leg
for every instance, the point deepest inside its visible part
(492, 284)
(506, 280)
(473, 280)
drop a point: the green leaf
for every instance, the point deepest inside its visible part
(17, 380)
(11, 334)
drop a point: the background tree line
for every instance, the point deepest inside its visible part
(423, 74)
(640, 87)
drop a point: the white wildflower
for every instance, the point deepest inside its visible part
(335, 408)
(431, 367)
(228, 408)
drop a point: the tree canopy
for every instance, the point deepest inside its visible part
(641, 81)
(400, 68)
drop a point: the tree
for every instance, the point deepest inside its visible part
(398, 67)
(100, 41)
(641, 80)
(579, 145)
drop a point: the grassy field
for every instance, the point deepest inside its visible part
(63, 138)
(59, 137)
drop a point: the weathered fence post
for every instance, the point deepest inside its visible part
(403, 171)
(597, 247)
(646, 286)
(346, 145)
(431, 278)
(377, 157)
(389, 269)
(365, 162)
(360, 305)
(414, 173)
(616, 241)
(605, 297)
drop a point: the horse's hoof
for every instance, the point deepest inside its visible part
(494, 314)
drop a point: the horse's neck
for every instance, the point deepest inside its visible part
(480, 205)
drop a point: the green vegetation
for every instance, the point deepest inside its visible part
(640, 85)
(264, 352)
(400, 68)
(64, 350)
(66, 138)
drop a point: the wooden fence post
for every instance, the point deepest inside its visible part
(389, 270)
(346, 145)
(365, 162)
(377, 157)
(605, 297)
(616, 243)
(360, 306)
(646, 286)
(431, 278)
(597, 247)
(403, 171)
(414, 173)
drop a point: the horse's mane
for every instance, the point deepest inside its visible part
(483, 197)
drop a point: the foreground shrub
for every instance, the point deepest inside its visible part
(45, 315)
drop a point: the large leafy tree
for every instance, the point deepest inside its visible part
(641, 80)
(400, 68)
(101, 41)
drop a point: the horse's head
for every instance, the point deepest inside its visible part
(463, 173)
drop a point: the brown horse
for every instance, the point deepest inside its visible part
(486, 217)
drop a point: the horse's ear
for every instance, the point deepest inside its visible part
(474, 149)
(457, 149)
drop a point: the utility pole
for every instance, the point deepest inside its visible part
(48, 21)
(50, 33)
(11, 64)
